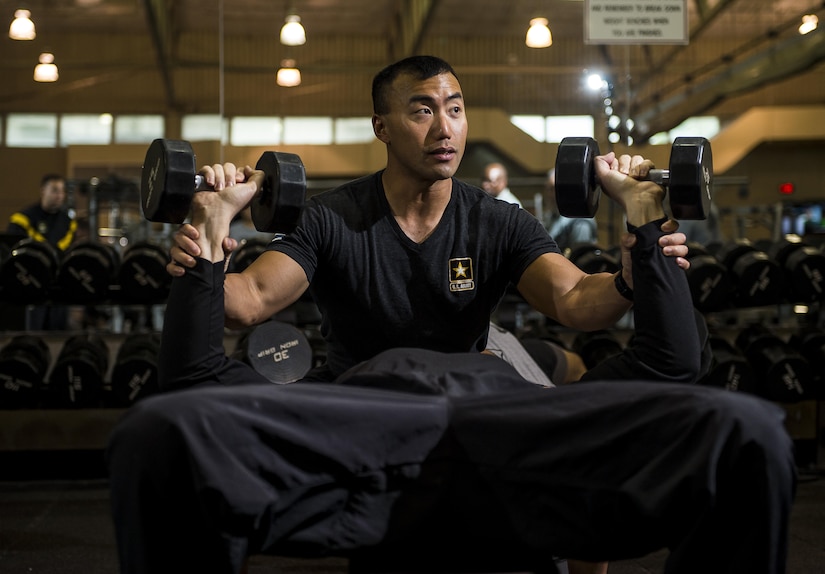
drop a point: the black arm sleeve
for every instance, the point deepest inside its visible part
(669, 343)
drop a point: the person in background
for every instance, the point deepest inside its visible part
(566, 231)
(494, 181)
(49, 220)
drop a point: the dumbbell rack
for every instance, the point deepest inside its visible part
(42, 434)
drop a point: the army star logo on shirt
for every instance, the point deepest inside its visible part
(461, 274)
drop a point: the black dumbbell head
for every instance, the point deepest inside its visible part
(246, 254)
(804, 269)
(142, 275)
(28, 274)
(577, 190)
(87, 271)
(278, 206)
(167, 181)
(690, 178)
(277, 350)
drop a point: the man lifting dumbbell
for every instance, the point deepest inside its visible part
(169, 182)
(424, 444)
(688, 180)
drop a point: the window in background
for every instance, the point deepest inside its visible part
(139, 129)
(251, 130)
(700, 126)
(204, 127)
(560, 127)
(92, 129)
(308, 130)
(353, 130)
(31, 130)
(554, 128)
(531, 125)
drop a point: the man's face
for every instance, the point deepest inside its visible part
(426, 127)
(53, 195)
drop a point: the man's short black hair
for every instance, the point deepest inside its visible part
(420, 67)
(49, 177)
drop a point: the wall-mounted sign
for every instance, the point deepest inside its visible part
(635, 22)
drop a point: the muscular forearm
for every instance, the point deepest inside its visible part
(211, 233)
(272, 283)
(594, 303)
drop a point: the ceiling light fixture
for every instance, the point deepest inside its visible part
(809, 23)
(288, 75)
(539, 36)
(22, 27)
(46, 70)
(292, 33)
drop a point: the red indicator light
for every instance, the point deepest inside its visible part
(786, 188)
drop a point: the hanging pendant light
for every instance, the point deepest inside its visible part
(46, 70)
(288, 76)
(292, 32)
(22, 27)
(539, 36)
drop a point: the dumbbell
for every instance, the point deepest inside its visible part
(783, 375)
(811, 344)
(77, 378)
(803, 266)
(246, 254)
(593, 258)
(169, 180)
(142, 276)
(688, 180)
(729, 368)
(135, 371)
(24, 361)
(757, 279)
(708, 280)
(277, 350)
(86, 272)
(27, 275)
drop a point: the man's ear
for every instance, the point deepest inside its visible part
(379, 128)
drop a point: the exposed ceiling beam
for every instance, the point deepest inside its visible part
(706, 16)
(408, 27)
(158, 15)
(777, 62)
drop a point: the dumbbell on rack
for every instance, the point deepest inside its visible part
(27, 275)
(169, 181)
(708, 280)
(24, 362)
(783, 375)
(78, 375)
(593, 258)
(135, 370)
(756, 278)
(142, 276)
(86, 272)
(688, 179)
(803, 267)
(729, 368)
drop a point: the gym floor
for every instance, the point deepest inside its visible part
(58, 522)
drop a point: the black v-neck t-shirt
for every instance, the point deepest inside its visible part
(377, 289)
